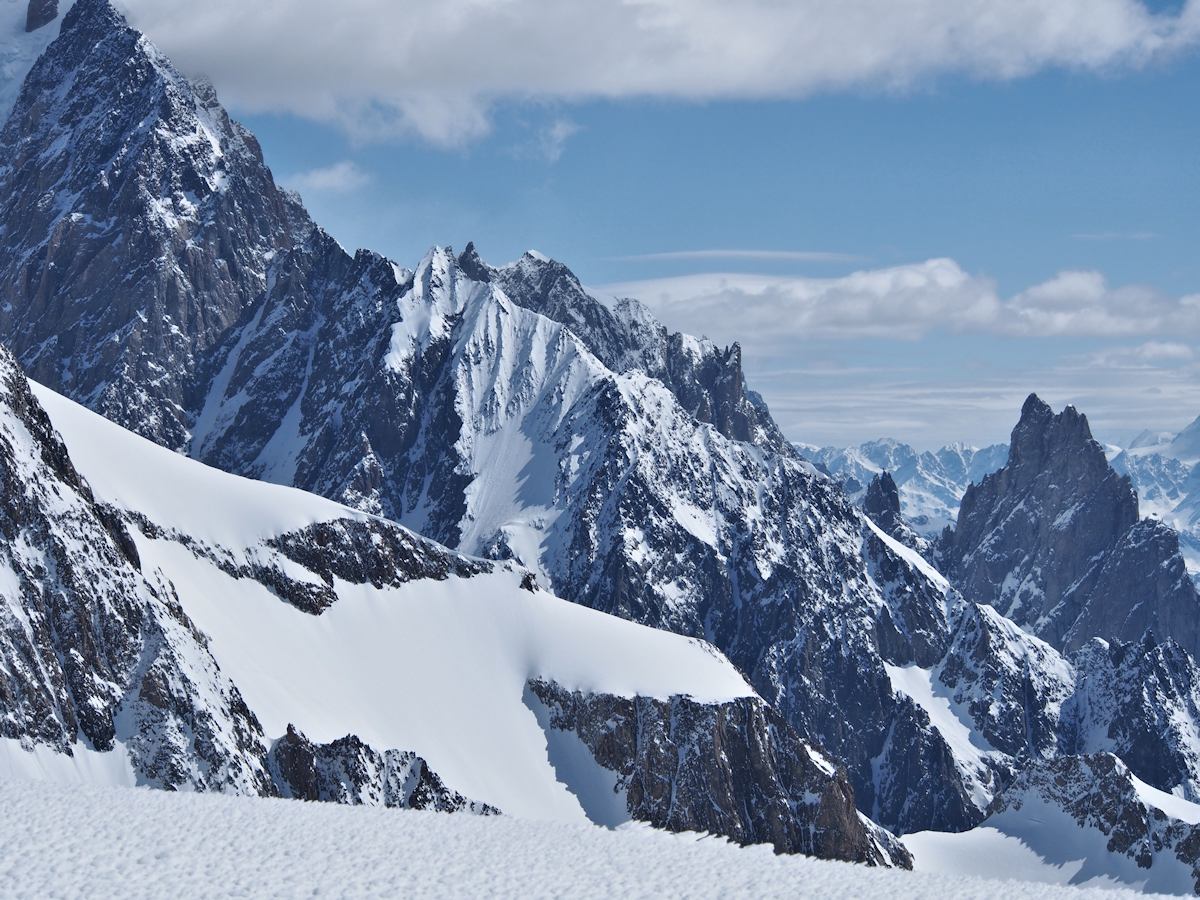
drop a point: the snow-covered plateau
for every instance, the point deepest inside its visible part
(87, 840)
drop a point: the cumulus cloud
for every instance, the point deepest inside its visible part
(907, 303)
(435, 69)
(339, 178)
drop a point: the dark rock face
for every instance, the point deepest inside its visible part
(349, 772)
(40, 13)
(881, 503)
(921, 781)
(734, 769)
(1097, 792)
(137, 224)
(1053, 542)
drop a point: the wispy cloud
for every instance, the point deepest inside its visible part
(339, 178)
(380, 76)
(552, 140)
(811, 256)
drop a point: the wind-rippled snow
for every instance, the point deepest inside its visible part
(137, 843)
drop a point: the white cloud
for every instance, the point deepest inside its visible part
(767, 313)
(435, 69)
(339, 178)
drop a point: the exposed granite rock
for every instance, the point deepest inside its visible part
(735, 769)
(881, 503)
(137, 223)
(1011, 684)
(91, 652)
(1140, 701)
(40, 13)
(349, 772)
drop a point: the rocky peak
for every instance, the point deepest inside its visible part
(137, 224)
(40, 14)
(1042, 439)
(882, 500)
(707, 380)
(473, 265)
(1029, 533)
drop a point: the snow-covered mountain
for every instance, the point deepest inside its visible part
(931, 483)
(1183, 446)
(137, 224)
(264, 640)
(503, 412)
(26, 29)
(168, 624)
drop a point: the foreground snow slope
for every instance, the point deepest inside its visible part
(137, 843)
(439, 665)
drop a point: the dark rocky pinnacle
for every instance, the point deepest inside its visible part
(40, 14)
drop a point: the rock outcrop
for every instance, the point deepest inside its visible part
(735, 769)
(40, 14)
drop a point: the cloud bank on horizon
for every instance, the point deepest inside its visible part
(931, 353)
(767, 312)
(436, 70)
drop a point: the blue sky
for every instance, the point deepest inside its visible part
(1018, 180)
(1043, 157)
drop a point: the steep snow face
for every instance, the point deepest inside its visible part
(19, 48)
(706, 380)
(1077, 820)
(931, 484)
(136, 222)
(95, 657)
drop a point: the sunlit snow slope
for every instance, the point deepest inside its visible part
(438, 667)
